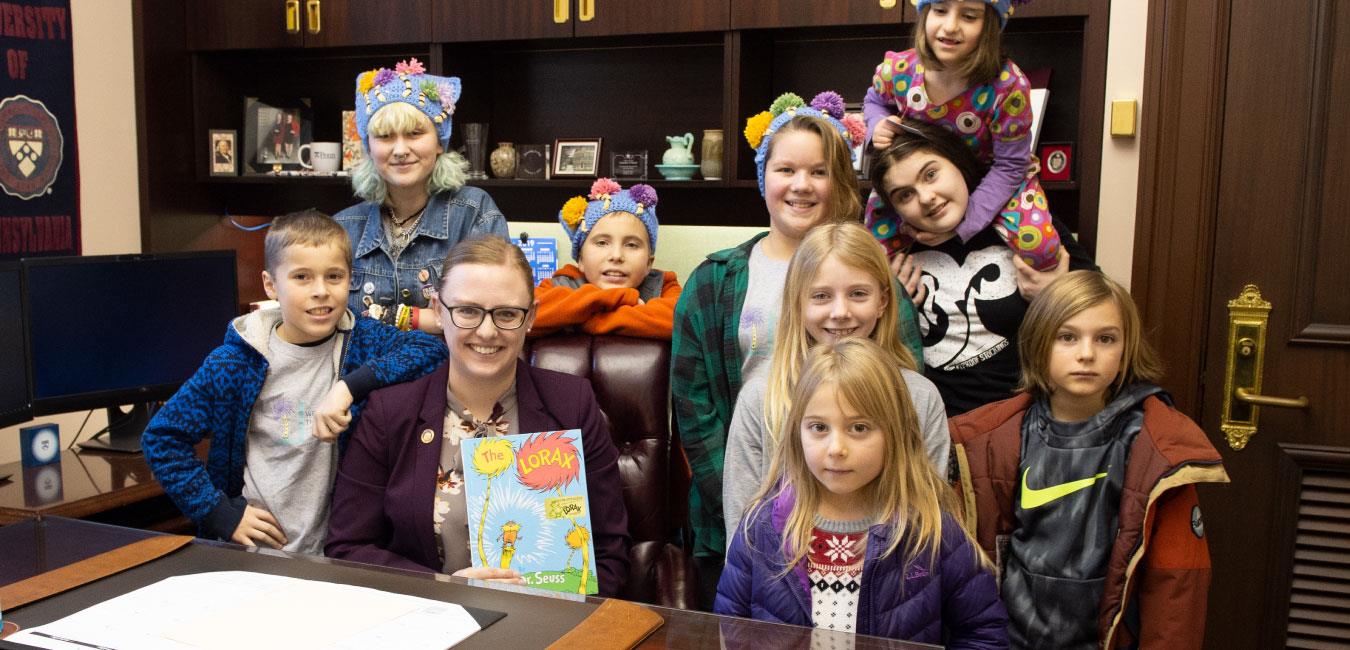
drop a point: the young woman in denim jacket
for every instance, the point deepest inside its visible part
(416, 206)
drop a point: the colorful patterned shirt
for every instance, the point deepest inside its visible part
(834, 565)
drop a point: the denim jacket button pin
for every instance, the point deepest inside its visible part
(369, 288)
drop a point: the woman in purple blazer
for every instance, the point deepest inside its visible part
(399, 498)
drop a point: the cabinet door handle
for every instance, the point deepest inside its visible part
(586, 11)
(292, 16)
(887, 4)
(313, 10)
(562, 11)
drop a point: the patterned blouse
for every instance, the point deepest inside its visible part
(450, 516)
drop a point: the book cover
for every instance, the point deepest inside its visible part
(528, 509)
(351, 142)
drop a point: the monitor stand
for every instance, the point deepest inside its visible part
(124, 430)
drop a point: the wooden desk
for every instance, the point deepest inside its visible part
(532, 621)
(110, 487)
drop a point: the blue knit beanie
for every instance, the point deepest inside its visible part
(579, 214)
(828, 106)
(1003, 7)
(408, 82)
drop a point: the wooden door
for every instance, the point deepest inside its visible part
(754, 14)
(1251, 158)
(339, 23)
(619, 17)
(240, 24)
(496, 20)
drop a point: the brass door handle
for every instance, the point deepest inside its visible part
(1249, 397)
(1248, 314)
(314, 10)
(292, 16)
(586, 10)
(561, 11)
(887, 4)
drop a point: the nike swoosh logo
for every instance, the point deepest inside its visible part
(1032, 498)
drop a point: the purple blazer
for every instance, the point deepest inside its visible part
(383, 499)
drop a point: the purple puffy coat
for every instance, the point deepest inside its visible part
(955, 603)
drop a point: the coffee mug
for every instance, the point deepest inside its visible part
(323, 156)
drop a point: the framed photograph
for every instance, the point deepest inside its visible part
(628, 165)
(576, 158)
(224, 145)
(273, 133)
(1057, 161)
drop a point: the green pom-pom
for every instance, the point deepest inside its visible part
(785, 102)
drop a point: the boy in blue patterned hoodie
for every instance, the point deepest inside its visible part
(286, 383)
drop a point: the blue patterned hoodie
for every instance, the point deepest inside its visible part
(217, 402)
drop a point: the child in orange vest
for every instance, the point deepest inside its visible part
(612, 289)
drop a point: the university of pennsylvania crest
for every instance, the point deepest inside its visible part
(30, 147)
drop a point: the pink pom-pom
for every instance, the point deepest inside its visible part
(603, 186)
(411, 66)
(857, 129)
(829, 102)
(644, 194)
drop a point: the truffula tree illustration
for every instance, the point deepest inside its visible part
(490, 459)
(548, 462)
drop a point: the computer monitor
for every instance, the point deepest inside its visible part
(123, 329)
(15, 403)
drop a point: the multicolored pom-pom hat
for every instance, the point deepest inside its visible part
(579, 213)
(1004, 8)
(829, 106)
(409, 83)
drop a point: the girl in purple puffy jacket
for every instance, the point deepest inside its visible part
(853, 533)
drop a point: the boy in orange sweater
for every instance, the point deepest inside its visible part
(612, 289)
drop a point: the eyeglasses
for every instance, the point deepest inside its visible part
(470, 317)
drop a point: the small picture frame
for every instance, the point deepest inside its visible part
(628, 165)
(531, 161)
(1056, 161)
(223, 152)
(576, 158)
(273, 133)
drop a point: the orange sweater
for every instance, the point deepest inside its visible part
(604, 311)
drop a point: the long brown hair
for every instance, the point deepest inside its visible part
(983, 64)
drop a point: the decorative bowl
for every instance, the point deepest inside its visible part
(677, 172)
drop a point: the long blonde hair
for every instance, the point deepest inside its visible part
(854, 247)
(909, 494)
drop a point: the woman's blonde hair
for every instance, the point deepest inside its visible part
(909, 494)
(449, 173)
(984, 62)
(845, 202)
(854, 247)
(1065, 298)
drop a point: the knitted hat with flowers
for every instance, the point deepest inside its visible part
(409, 83)
(579, 213)
(829, 106)
(1004, 8)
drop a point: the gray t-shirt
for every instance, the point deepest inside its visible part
(287, 471)
(759, 312)
(750, 446)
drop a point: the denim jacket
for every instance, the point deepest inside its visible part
(450, 217)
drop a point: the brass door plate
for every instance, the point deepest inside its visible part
(1247, 317)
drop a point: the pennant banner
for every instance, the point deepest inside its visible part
(39, 166)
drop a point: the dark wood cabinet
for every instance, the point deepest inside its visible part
(497, 20)
(269, 24)
(633, 73)
(759, 14)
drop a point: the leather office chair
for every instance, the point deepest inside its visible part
(631, 379)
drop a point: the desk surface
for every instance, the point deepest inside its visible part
(532, 620)
(81, 485)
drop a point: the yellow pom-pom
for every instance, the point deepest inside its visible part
(574, 210)
(365, 82)
(755, 127)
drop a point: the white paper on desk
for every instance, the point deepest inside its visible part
(233, 609)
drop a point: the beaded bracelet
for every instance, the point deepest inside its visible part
(401, 321)
(413, 321)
